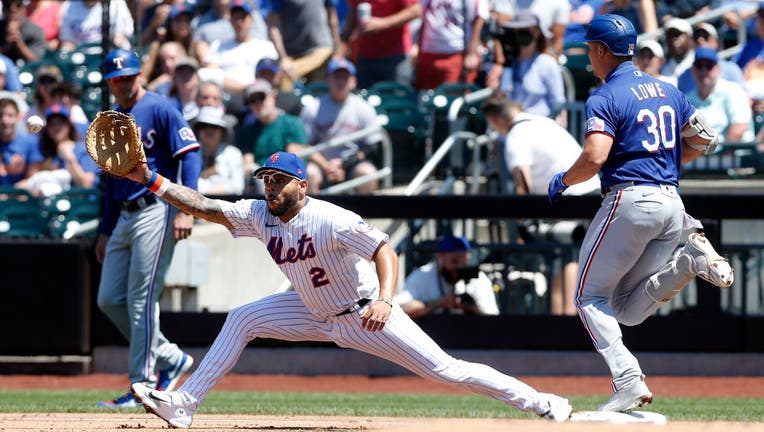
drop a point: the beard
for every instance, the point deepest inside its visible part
(450, 276)
(289, 203)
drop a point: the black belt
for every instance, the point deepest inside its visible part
(138, 203)
(361, 303)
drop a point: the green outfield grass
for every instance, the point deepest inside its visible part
(382, 405)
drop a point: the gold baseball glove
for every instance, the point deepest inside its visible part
(114, 143)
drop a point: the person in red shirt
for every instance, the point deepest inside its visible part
(381, 43)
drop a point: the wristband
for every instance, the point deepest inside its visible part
(389, 302)
(157, 184)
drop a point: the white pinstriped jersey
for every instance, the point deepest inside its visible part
(325, 251)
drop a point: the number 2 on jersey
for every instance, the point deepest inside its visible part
(318, 277)
(661, 127)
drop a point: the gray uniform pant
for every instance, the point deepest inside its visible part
(132, 277)
(631, 238)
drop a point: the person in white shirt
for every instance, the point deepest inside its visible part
(535, 147)
(444, 285)
(230, 63)
(222, 164)
(338, 113)
(81, 23)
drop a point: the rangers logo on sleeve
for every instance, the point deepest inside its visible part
(595, 124)
(186, 134)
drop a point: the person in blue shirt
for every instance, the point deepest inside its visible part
(138, 232)
(16, 150)
(639, 130)
(60, 160)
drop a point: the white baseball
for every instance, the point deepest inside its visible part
(34, 124)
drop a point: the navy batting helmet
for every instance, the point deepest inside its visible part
(121, 62)
(615, 31)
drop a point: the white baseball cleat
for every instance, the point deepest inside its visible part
(169, 406)
(632, 396)
(558, 408)
(708, 264)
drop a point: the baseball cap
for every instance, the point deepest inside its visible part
(121, 62)
(267, 63)
(523, 19)
(338, 64)
(187, 62)
(452, 243)
(241, 4)
(284, 163)
(7, 95)
(259, 86)
(708, 28)
(211, 116)
(679, 24)
(653, 46)
(705, 53)
(57, 109)
(182, 8)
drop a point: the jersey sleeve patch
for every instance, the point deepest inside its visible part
(363, 227)
(186, 134)
(595, 124)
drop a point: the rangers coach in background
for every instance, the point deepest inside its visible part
(639, 131)
(138, 232)
(343, 272)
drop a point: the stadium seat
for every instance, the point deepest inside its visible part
(406, 124)
(91, 101)
(383, 92)
(316, 88)
(71, 209)
(576, 60)
(20, 214)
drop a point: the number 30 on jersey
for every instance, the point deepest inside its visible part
(661, 127)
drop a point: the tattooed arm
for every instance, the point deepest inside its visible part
(184, 198)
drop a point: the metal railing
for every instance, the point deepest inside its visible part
(716, 13)
(385, 173)
(473, 141)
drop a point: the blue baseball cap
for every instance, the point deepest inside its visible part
(267, 63)
(57, 109)
(706, 53)
(336, 65)
(284, 163)
(241, 4)
(453, 244)
(121, 62)
(183, 8)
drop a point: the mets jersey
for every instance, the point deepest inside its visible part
(644, 116)
(325, 251)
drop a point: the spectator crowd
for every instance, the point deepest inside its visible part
(258, 76)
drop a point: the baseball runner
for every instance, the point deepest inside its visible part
(327, 253)
(137, 232)
(639, 130)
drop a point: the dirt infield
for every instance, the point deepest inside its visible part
(661, 386)
(224, 423)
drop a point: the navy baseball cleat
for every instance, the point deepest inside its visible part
(124, 401)
(168, 378)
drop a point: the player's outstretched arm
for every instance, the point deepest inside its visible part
(182, 197)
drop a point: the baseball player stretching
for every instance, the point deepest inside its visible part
(639, 130)
(327, 253)
(138, 232)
